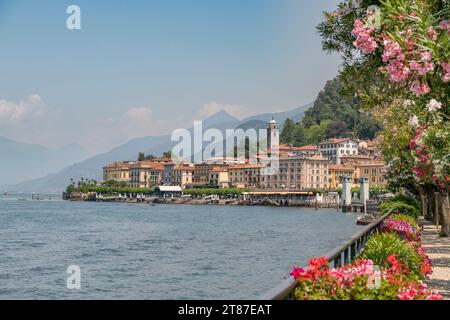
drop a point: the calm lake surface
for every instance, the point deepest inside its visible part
(157, 252)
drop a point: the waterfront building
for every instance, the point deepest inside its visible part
(335, 148)
(183, 176)
(202, 173)
(374, 171)
(146, 174)
(353, 160)
(296, 151)
(370, 148)
(301, 172)
(245, 176)
(336, 171)
(219, 177)
(168, 191)
(117, 171)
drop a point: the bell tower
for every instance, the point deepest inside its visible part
(273, 136)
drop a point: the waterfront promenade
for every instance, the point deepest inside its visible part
(438, 250)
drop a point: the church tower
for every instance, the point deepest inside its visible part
(273, 136)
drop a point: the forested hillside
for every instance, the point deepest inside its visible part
(334, 114)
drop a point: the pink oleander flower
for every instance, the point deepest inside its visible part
(364, 40)
(424, 67)
(397, 71)
(392, 50)
(445, 25)
(420, 88)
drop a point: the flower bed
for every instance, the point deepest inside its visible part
(401, 228)
(401, 266)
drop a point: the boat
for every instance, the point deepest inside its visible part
(5, 193)
(365, 219)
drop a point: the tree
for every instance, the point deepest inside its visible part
(141, 156)
(298, 136)
(287, 134)
(399, 71)
(337, 129)
(150, 157)
(167, 154)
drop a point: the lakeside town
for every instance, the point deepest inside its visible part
(270, 195)
(309, 168)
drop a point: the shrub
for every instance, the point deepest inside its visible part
(380, 246)
(407, 199)
(399, 208)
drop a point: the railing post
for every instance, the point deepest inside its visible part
(353, 250)
(338, 262)
(346, 260)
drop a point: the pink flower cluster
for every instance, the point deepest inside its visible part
(397, 70)
(424, 66)
(424, 166)
(364, 40)
(418, 290)
(420, 88)
(318, 280)
(445, 25)
(402, 228)
(407, 62)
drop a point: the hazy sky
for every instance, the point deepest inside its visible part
(141, 68)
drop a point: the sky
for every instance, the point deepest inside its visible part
(140, 68)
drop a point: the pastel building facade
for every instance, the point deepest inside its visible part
(146, 174)
(245, 175)
(118, 171)
(336, 148)
(299, 173)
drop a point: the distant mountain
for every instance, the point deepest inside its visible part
(295, 115)
(22, 161)
(92, 167)
(252, 124)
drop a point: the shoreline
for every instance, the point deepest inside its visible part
(239, 201)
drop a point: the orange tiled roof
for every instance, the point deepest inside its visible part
(149, 164)
(183, 168)
(118, 164)
(372, 164)
(246, 166)
(308, 147)
(285, 147)
(356, 156)
(333, 166)
(335, 140)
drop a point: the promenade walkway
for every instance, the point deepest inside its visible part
(439, 251)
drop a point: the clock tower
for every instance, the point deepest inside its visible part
(273, 137)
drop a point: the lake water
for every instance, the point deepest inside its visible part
(130, 251)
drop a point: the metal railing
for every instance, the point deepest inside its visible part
(339, 256)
